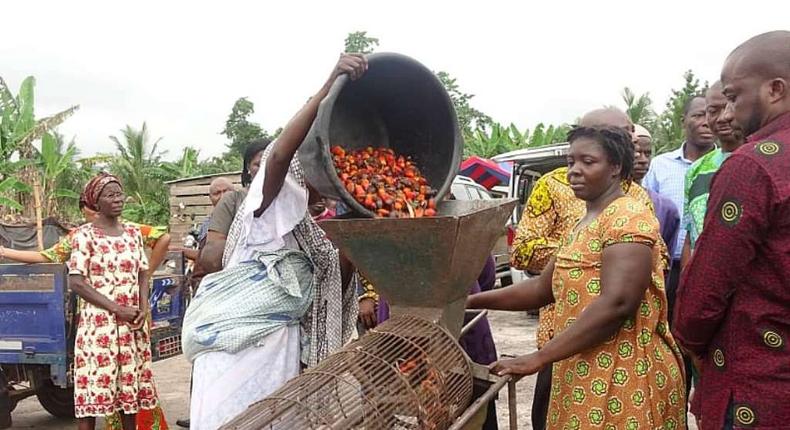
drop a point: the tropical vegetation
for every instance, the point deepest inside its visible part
(36, 160)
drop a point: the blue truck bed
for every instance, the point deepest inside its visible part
(33, 326)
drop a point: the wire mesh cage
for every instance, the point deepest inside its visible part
(407, 373)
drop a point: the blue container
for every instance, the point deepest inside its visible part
(167, 300)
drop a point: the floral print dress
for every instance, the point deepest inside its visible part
(112, 363)
(634, 380)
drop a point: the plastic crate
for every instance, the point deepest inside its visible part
(165, 342)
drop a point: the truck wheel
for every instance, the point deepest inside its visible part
(57, 401)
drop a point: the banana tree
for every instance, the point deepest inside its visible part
(188, 165)
(19, 128)
(10, 186)
(55, 164)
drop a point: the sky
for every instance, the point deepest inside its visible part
(179, 66)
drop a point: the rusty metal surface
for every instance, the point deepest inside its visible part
(424, 262)
(28, 282)
(478, 316)
(406, 373)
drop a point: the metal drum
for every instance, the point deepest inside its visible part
(407, 373)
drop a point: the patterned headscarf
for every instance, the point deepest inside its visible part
(94, 187)
(331, 320)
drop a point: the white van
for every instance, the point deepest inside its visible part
(528, 165)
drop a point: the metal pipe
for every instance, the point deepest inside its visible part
(481, 402)
(511, 403)
(480, 315)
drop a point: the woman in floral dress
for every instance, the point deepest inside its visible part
(108, 270)
(616, 365)
(157, 240)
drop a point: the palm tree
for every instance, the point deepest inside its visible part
(639, 108)
(138, 160)
(138, 165)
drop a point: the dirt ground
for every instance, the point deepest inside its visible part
(514, 333)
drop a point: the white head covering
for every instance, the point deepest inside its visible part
(641, 131)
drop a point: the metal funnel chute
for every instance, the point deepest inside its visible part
(424, 266)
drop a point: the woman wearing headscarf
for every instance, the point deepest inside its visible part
(282, 299)
(112, 352)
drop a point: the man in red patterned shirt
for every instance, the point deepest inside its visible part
(733, 308)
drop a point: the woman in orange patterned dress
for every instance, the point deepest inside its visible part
(616, 366)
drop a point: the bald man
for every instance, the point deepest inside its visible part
(552, 210)
(733, 309)
(216, 189)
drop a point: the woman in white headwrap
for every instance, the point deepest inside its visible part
(282, 299)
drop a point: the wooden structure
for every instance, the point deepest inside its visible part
(189, 202)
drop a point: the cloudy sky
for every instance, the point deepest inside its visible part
(179, 66)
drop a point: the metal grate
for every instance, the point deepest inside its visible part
(407, 373)
(165, 343)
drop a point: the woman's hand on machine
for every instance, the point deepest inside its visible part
(367, 312)
(519, 366)
(353, 65)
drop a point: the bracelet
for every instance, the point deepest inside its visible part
(369, 295)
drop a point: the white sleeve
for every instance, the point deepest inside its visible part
(286, 211)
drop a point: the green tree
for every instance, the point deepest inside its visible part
(60, 174)
(501, 139)
(187, 166)
(19, 129)
(668, 130)
(360, 42)
(138, 165)
(239, 129)
(639, 108)
(469, 118)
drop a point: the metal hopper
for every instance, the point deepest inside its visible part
(424, 266)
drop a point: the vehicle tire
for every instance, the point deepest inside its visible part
(57, 401)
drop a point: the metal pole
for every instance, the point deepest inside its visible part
(481, 402)
(480, 315)
(511, 403)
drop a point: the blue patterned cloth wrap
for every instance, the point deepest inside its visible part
(238, 307)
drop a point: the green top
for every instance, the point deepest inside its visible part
(697, 189)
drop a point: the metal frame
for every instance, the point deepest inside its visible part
(498, 383)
